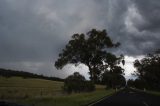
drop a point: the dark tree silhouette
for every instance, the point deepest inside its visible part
(130, 83)
(13, 73)
(138, 83)
(148, 70)
(91, 50)
(113, 78)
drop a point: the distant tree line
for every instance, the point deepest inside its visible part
(12, 73)
(137, 83)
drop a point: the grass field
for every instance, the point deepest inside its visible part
(16, 88)
(44, 92)
(156, 93)
(80, 99)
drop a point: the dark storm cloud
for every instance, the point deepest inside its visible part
(146, 23)
(32, 33)
(137, 26)
(25, 35)
(149, 9)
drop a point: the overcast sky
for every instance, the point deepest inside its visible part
(33, 32)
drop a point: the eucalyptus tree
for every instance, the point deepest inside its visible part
(90, 49)
(148, 70)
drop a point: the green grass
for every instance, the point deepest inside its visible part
(148, 91)
(154, 93)
(45, 93)
(17, 87)
(80, 99)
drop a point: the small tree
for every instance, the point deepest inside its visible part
(91, 50)
(130, 83)
(113, 80)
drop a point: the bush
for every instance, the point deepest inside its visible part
(140, 84)
(77, 83)
(113, 80)
(89, 86)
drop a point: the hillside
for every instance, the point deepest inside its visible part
(14, 73)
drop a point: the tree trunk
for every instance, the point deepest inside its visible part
(91, 74)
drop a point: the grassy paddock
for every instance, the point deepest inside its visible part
(154, 93)
(40, 92)
(80, 99)
(17, 87)
(148, 91)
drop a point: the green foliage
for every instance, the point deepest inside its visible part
(113, 80)
(89, 86)
(130, 83)
(77, 83)
(148, 70)
(138, 83)
(89, 49)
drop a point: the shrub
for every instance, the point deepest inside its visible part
(89, 86)
(77, 83)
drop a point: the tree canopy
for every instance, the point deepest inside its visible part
(90, 49)
(148, 70)
(114, 79)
